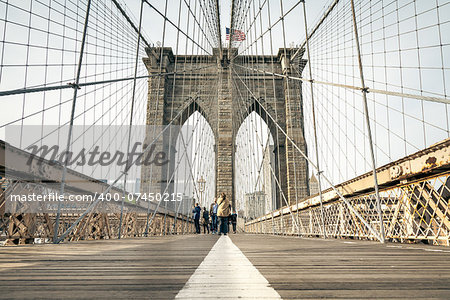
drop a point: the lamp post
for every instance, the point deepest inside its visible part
(201, 187)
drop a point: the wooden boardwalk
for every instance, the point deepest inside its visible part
(317, 268)
(153, 268)
(159, 267)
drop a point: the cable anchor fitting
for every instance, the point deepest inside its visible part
(74, 85)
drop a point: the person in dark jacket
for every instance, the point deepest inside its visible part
(233, 218)
(197, 211)
(205, 220)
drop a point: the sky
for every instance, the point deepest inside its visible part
(152, 22)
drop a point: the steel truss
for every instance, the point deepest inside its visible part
(415, 206)
(29, 228)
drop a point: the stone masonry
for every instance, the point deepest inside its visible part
(212, 87)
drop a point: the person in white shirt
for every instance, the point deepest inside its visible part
(213, 212)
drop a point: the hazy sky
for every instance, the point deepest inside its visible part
(152, 22)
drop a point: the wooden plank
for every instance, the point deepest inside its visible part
(159, 267)
(316, 268)
(150, 268)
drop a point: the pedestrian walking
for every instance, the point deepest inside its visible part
(213, 212)
(223, 212)
(205, 220)
(233, 218)
(196, 211)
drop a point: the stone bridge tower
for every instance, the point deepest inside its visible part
(226, 107)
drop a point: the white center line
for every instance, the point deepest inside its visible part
(433, 250)
(226, 273)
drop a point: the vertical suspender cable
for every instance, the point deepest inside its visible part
(131, 115)
(161, 60)
(276, 120)
(313, 111)
(366, 114)
(69, 136)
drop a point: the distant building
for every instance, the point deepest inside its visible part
(269, 181)
(254, 205)
(185, 205)
(137, 185)
(313, 185)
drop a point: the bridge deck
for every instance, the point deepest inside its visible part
(159, 267)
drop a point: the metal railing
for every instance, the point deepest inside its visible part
(415, 205)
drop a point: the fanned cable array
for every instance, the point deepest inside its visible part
(325, 119)
(91, 76)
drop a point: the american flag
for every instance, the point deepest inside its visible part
(236, 36)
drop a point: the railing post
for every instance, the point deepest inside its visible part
(369, 132)
(314, 121)
(75, 87)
